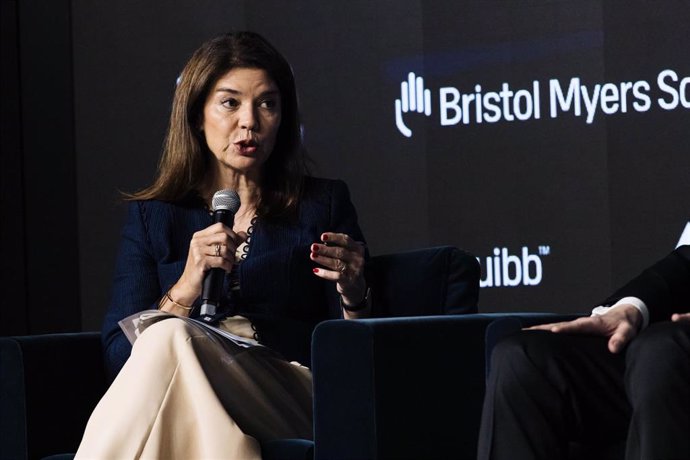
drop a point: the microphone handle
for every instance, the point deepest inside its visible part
(212, 287)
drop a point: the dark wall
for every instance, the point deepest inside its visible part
(127, 56)
(568, 207)
(40, 271)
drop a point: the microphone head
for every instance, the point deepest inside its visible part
(226, 199)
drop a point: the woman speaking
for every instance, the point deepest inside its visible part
(293, 256)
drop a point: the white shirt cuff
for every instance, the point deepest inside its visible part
(634, 301)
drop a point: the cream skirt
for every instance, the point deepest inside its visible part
(185, 393)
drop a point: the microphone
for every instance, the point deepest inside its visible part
(225, 204)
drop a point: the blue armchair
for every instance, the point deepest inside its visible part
(385, 387)
(49, 384)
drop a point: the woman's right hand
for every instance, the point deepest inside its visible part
(212, 247)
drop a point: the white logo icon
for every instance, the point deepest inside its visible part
(685, 237)
(413, 98)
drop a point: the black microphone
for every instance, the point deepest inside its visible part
(225, 204)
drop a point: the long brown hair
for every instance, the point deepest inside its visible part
(185, 159)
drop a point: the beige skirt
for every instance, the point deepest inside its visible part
(185, 393)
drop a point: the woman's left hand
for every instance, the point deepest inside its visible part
(342, 259)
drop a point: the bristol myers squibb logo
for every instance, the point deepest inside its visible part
(511, 270)
(413, 98)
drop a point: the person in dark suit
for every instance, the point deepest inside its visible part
(620, 375)
(295, 256)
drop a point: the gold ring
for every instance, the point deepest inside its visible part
(217, 249)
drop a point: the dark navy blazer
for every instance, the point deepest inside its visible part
(279, 291)
(664, 287)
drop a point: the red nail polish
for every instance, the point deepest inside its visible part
(314, 248)
(324, 237)
(315, 270)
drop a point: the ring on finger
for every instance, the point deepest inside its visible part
(343, 268)
(217, 249)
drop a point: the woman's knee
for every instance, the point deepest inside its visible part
(164, 334)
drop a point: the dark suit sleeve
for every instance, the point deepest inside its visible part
(343, 219)
(664, 287)
(135, 287)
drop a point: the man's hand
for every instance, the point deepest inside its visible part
(620, 324)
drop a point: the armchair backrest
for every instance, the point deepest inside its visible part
(442, 280)
(49, 384)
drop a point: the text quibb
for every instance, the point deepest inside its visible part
(505, 269)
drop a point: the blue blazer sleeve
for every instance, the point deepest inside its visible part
(343, 219)
(135, 287)
(154, 247)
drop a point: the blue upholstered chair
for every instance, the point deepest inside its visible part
(405, 384)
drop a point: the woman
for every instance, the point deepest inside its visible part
(294, 257)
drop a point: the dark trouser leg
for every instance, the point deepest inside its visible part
(546, 390)
(657, 381)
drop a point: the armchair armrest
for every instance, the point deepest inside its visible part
(49, 384)
(407, 387)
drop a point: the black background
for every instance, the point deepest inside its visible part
(87, 88)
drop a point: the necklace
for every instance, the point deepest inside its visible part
(243, 249)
